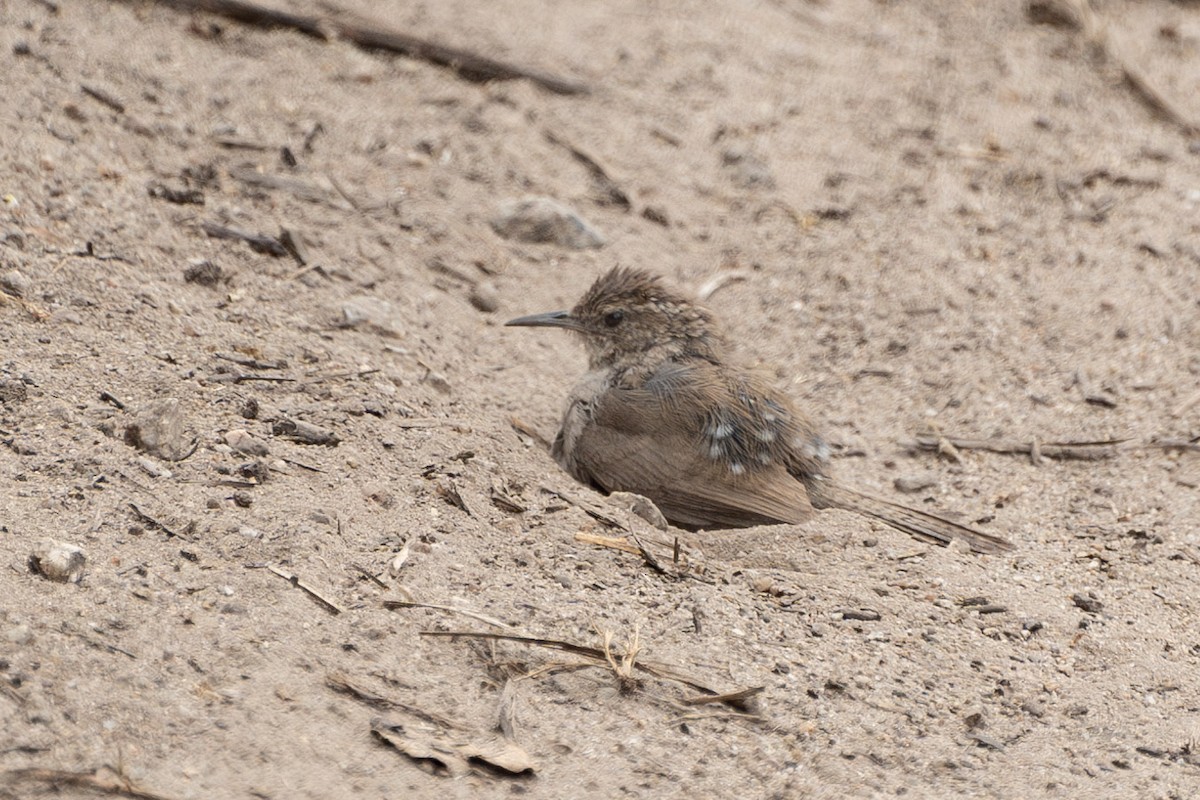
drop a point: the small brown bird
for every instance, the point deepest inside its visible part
(665, 413)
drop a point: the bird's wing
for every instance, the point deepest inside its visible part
(644, 440)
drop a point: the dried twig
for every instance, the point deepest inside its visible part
(103, 97)
(613, 542)
(506, 720)
(611, 192)
(634, 544)
(106, 780)
(594, 653)
(259, 242)
(623, 668)
(1085, 451)
(158, 523)
(589, 508)
(341, 683)
(717, 282)
(449, 609)
(735, 698)
(37, 312)
(525, 429)
(373, 37)
(299, 583)
(305, 190)
(97, 643)
(1080, 15)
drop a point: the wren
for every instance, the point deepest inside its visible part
(666, 412)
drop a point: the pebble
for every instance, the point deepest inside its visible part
(58, 561)
(19, 635)
(543, 220)
(158, 429)
(304, 432)
(747, 170)
(762, 584)
(641, 506)
(15, 283)
(13, 391)
(244, 442)
(152, 469)
(204, 273)
(374, 314)
(484, 297)
(910, 484)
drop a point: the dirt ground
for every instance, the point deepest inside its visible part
(957, 217)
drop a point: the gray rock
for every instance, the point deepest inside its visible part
(159, 430)
(641, 506)
(15, 283)
(380, 316)
(484, 297)
(243, 442)
(543, 220)
(910, 484)
(747, 170)
(58, 561)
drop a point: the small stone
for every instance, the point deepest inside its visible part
(543, 220)
(762, 584)
(1088, 603)
(158, 429)
(373, 314)
(58, 561)
(204, 273)
(20, 635)
(13, 392)
(858, 614)
(747, 170)
(13, 282)
(152, 469)
(438, 381)
(656, 215)
(484, 297)
(641, 506)
(910, 484)
(243, 442)
(304, 432)
(242, 499)
(256, 471)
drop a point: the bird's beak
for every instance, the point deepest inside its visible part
(551, 319)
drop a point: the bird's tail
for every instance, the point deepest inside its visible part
(920, 524)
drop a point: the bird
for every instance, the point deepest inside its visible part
(666, 411)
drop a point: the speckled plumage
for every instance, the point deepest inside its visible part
(664, 411)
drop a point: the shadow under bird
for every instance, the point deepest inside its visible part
(664, 412)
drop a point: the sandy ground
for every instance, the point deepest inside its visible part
(922, 215)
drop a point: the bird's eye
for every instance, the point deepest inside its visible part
(613, 318)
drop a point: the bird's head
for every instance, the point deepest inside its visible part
(629, 314)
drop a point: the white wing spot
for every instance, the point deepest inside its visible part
(816, 449)
(765, 435)
(720, 430)
(736, 468)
